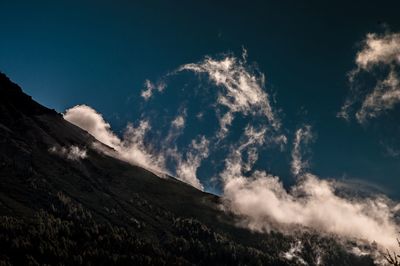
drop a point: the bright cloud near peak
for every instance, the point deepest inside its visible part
(131, 148)
(88, 119)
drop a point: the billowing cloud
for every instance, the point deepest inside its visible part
(264, 204)
(71, 153)
(134, 149)
(88, 119)
(379, 55)
(131, 148)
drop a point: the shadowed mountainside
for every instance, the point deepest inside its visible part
(95, 209)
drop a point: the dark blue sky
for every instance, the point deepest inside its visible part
(100, 53)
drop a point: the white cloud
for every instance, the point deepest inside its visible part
(186, 168)
(302, 136)
(379, 52)
(234, 164)
(76, 153)
(176, 128)
(224, 123)
(264, 204)
(71, 153)
(88, 119)
(241, 91)
(345, 109)
(280, 140)
(131, 148)
(385, 96)
(179, 122)
(135, 150)
(147, 92)
(200, 115)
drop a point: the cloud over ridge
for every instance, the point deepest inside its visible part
(131, 148)
(265, 204)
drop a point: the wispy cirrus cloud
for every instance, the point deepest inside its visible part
(179, 121)
(241, 90)
(384, 96)
(302, 136)
(189, 162)
(380, 54)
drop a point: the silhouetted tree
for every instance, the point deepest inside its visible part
(392, 258)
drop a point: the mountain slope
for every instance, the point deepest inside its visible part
(64, 202)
